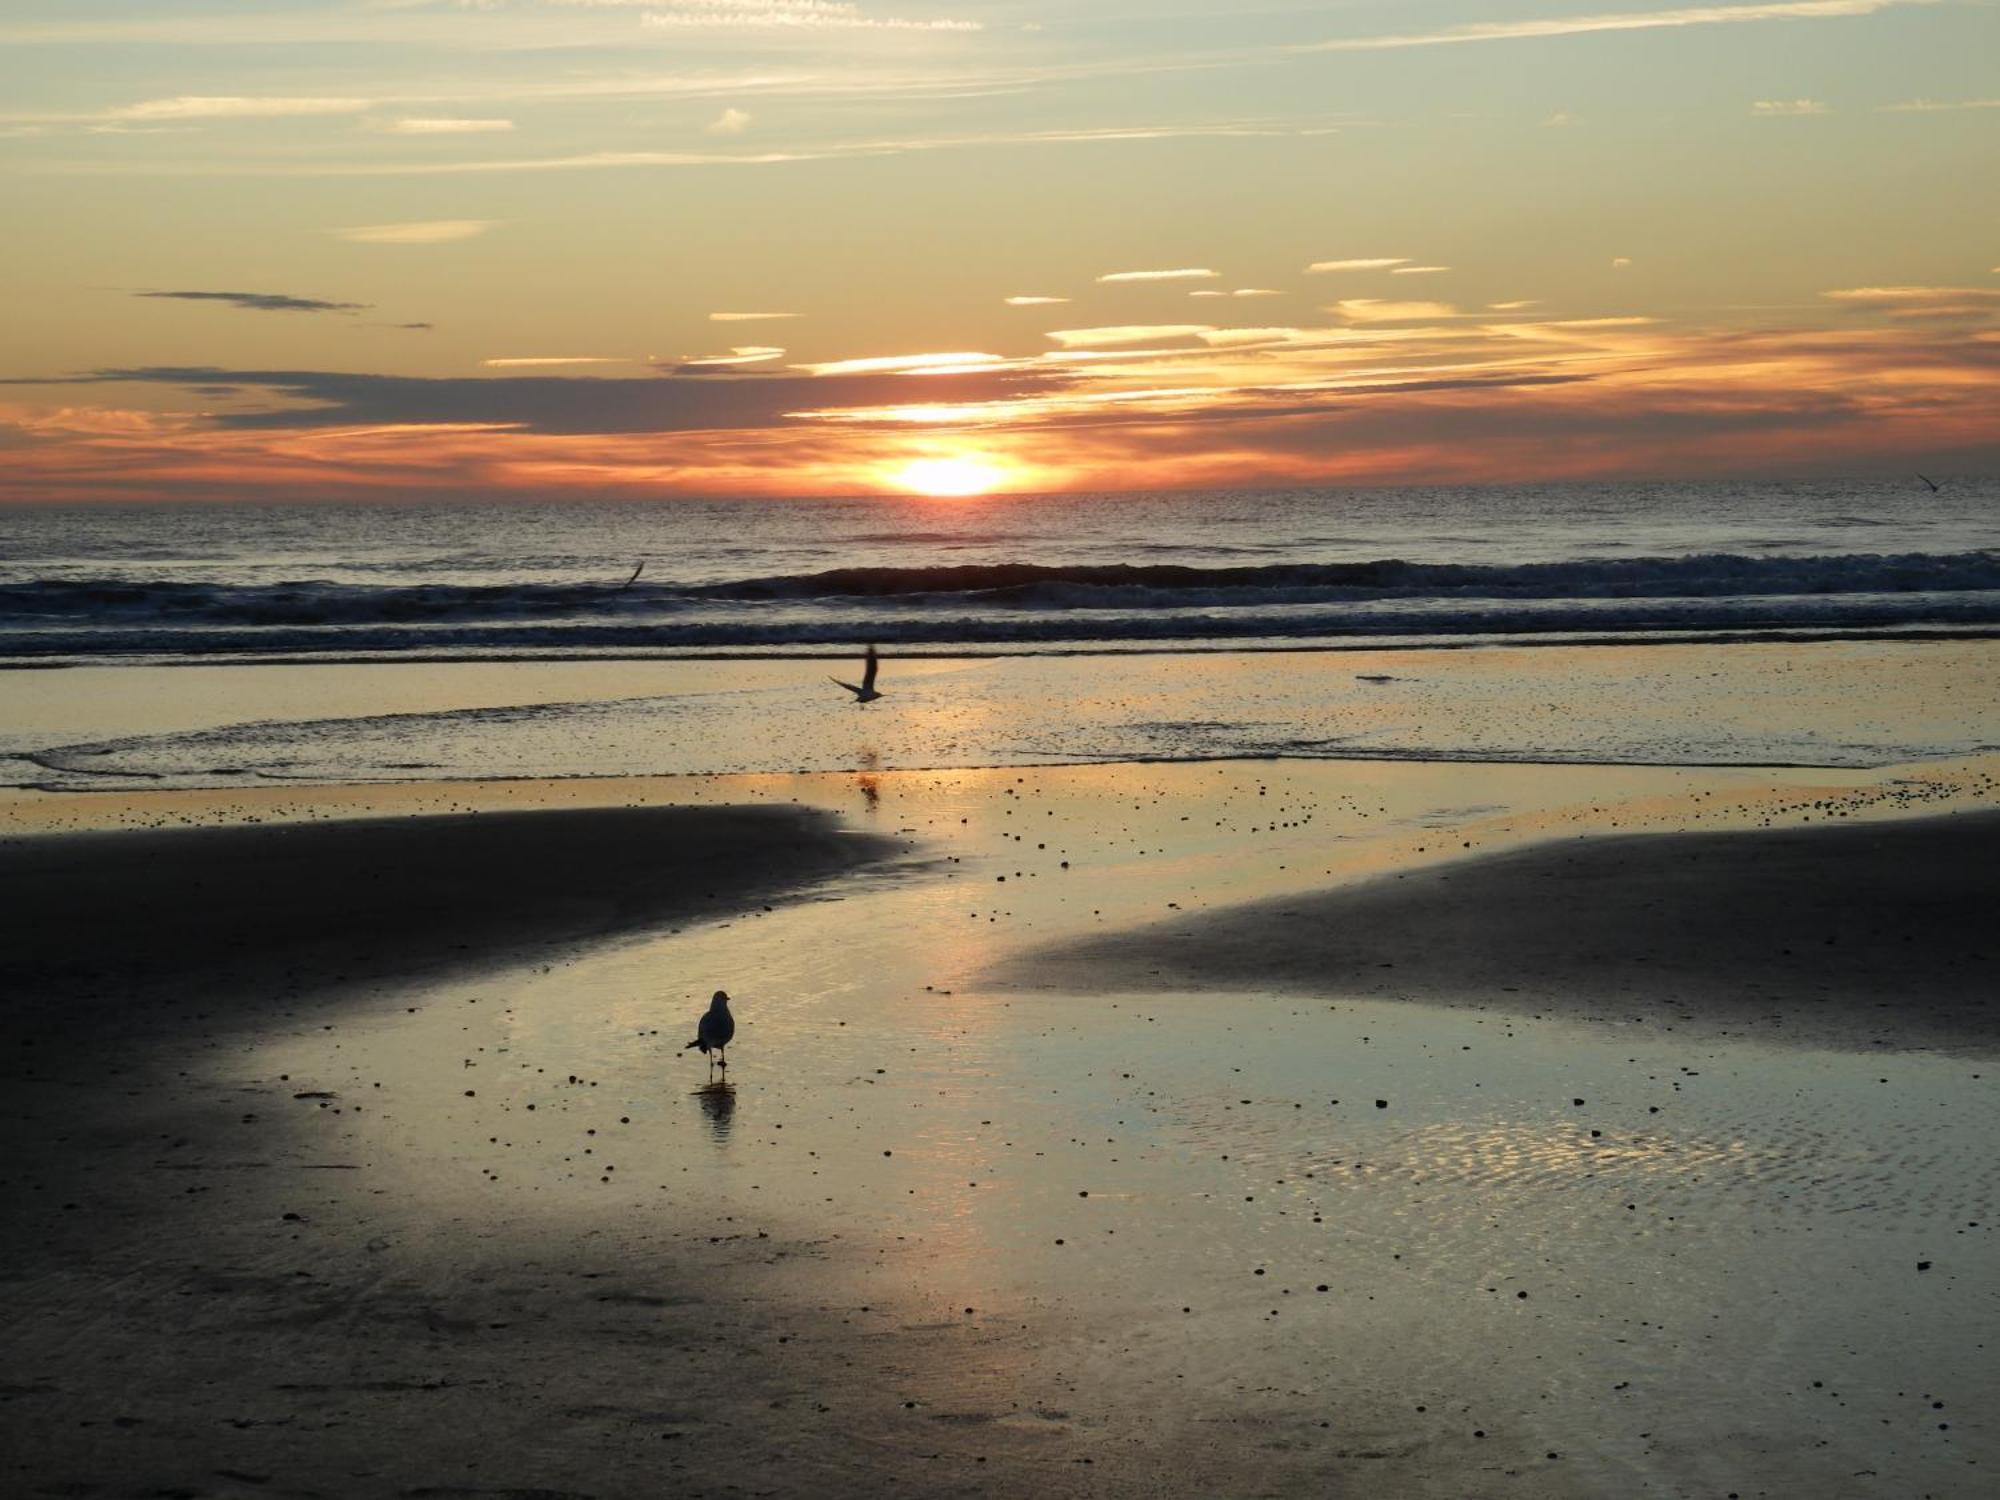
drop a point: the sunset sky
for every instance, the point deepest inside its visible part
(298, 249)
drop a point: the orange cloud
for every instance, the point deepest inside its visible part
(1454, 399)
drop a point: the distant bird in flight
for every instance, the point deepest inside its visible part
(1935, 486)
(865, 693)
(634, 578)
(714, 1030)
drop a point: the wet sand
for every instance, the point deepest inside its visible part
(470, 1221)
(1876, 936)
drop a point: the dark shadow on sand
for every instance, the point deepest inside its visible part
(113, 937)
(1859, 936)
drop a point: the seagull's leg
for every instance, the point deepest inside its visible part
(725, 1059)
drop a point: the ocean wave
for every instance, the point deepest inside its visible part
(1005, 603)
(1381, 621)
(1172, 585)
(1024, 585)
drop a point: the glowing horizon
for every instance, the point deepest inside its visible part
(279, 260)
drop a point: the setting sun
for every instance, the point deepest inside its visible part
(947, 477)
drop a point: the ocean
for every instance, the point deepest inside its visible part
(1809, 624)
(1214, 569)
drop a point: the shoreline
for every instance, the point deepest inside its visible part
(1804, 635)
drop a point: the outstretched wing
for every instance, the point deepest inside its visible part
(848, 685)
(868, 671)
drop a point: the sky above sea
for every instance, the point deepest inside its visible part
(444, 249)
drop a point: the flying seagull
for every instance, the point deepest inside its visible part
(1935, 486)
(634, 578)
(714, 1030)
(865, 693)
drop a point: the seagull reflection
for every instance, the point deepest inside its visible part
(718, 1102)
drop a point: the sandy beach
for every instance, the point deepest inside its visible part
(366, 1159)
(1322, 680)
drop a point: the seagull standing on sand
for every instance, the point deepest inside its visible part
(864, 692)
(714, 1031)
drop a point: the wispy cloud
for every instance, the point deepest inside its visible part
(771, 15)
(737, 358)
(1514, 306)
(1418, 270)
(1944, 303)
(1364, 263)
(1183, 273)
(1241, 291)
(1376, 310)
(731, 121)
(421, 232)
(438, 125)
(599, 161)
(748, 317)
(233, 107)
(907, 364)
(260, 301)
(541, 361)
(1895, 294)
(1935, 106)
(1126, 333)
(1034, 301)
(1772, 109)
(1568, 330)
(1654, 20)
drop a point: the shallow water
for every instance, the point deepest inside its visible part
(1832, 704)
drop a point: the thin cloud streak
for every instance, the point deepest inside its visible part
(260, 301)
(740, 356)
(1935, 106)
(1184, 273)
(1132, 333)
(1368, 263)
(789, 15)
(1561, 26)
(616, 160)
(1379, 310)
(537, 361)
(421, 232)
(908, 364)
(431, 125)
(232, 107)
